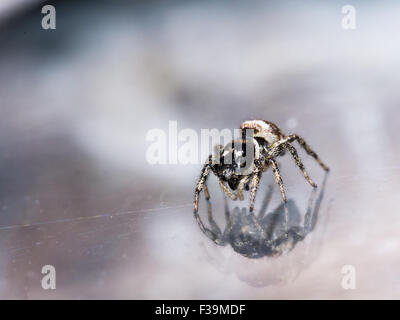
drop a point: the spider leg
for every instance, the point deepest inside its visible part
(241, 185)
(201, 183)
(300, 164)
(226, 190)
(218, 148)
(307, 148)
(255, 181)
(206, 193)
(215, 233)
(278, 178)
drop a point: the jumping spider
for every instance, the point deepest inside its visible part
(269, 142)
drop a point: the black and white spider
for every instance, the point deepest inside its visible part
(268, 142)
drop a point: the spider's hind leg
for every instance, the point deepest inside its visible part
(300, 164)
(308, 149)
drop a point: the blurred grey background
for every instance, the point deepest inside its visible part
(76, 103)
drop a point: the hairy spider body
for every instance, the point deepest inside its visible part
(268, 142)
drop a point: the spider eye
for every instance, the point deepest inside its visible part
(227, 174)
(233, 183)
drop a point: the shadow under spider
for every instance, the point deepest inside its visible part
(259, 235)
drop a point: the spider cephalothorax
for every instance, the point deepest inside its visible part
(239, 173)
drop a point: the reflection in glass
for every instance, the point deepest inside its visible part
(258, 235)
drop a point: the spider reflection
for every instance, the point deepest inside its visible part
(257, 235)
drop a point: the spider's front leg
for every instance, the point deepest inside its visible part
(226, 190)
(278, 178)
(206, 193)
(300, 164)
(255, 181)
(201, 184)
(241, 186)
